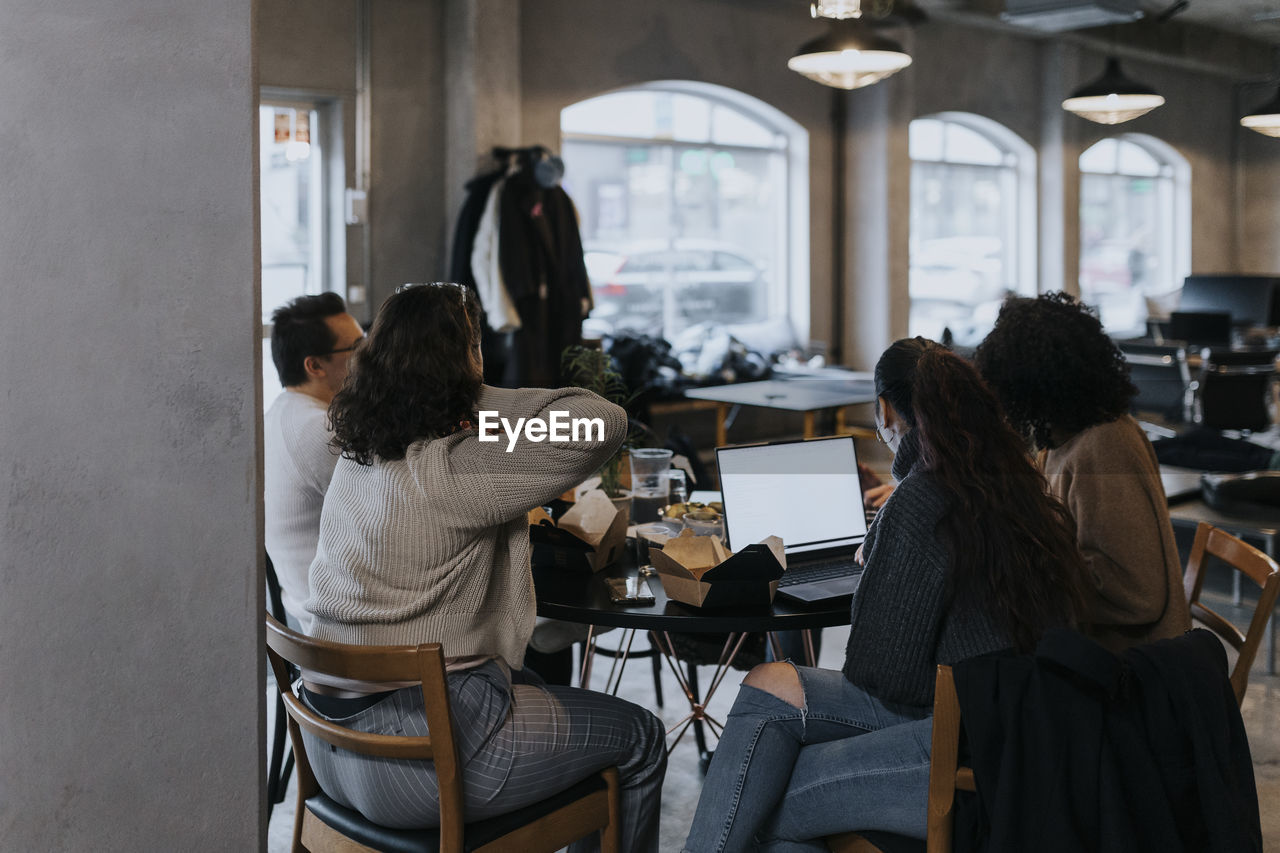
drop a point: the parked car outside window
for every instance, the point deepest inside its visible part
(638, 286)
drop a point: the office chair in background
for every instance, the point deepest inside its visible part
(1162, 377)
(1234, 388)
(1200, 328)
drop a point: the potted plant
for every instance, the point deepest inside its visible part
(593, 369)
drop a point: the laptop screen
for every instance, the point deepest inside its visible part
(806, 492)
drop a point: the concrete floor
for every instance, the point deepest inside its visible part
(1261, 711)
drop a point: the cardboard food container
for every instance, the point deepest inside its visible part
(591, 534)
(700, 571)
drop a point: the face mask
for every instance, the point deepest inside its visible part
(889, 438)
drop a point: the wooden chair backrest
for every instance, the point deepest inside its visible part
(1253, 564)
(946, 776)
(423, 664)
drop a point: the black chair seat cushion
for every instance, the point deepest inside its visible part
(889, 843)
(359, 828)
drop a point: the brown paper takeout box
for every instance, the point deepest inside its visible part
(591, 534)
(700, 571)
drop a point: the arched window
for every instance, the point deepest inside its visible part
(972, 223)
(693, 202)
(1135, 227)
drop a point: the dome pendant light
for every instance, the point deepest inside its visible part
(838, 9)
(851, 55)
(1112, 98)
(1266, 118)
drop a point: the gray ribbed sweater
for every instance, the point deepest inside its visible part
(435, 547)
(901, 626)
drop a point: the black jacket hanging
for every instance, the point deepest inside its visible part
(540, 252)
(1074, 749)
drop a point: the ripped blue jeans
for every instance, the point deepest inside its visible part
(784, 776)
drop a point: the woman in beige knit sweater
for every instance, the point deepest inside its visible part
(424, 539)
(1064, 384)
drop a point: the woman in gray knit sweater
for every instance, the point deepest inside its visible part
(424, 539)
(968, 556)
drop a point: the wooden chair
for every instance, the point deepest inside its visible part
(945, 778)
(324, 826)
(1251, 563)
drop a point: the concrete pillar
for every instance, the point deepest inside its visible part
(877, 218)
(1069, 63)
(1051, 171)
(1258, 208)
(482, 87)
(132, 710)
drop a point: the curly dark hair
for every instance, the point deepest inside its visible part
(416, 376)
(1013, 545)
(1053, 368)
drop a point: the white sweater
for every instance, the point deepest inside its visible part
(435, 547)
(298, 465)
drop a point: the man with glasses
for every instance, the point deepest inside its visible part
(312, 339)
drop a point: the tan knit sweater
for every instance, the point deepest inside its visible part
(435, 547)
(1109, 478)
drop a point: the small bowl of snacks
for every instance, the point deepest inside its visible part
(704, 521)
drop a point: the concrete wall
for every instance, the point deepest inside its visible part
(1258, 185)
(515, 64)
(313, 49)
(131, 708)
(407, 181)
(1199, 121)
(575, 49)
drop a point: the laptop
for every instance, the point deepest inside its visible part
(806, 492)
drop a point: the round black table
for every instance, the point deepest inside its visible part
(577, 595)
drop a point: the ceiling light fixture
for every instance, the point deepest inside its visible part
(1112, 98)
(851, 55)
(838, 9)
(1265, 119)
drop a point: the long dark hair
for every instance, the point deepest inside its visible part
(416, 376)
(1013, 545)
(1053, 367)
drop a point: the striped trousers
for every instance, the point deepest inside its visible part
(518, 744)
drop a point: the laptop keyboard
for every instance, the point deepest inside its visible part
(811, 572)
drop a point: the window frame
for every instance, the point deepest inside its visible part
(329, 251)
(1020, 165)
(789, 298)
(1173, 189)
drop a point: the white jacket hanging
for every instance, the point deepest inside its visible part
(486, 270)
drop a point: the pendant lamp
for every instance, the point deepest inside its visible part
(1112, 98)
(838, 9)
(851, 55)
(1266, 118)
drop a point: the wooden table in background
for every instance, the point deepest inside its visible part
(797, 394)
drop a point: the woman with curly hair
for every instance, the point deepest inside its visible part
(1065, 386)
(969, 555)
(424, 539)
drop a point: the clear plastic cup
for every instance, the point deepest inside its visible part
(650, 483)
(644, 543)
(679, 486)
